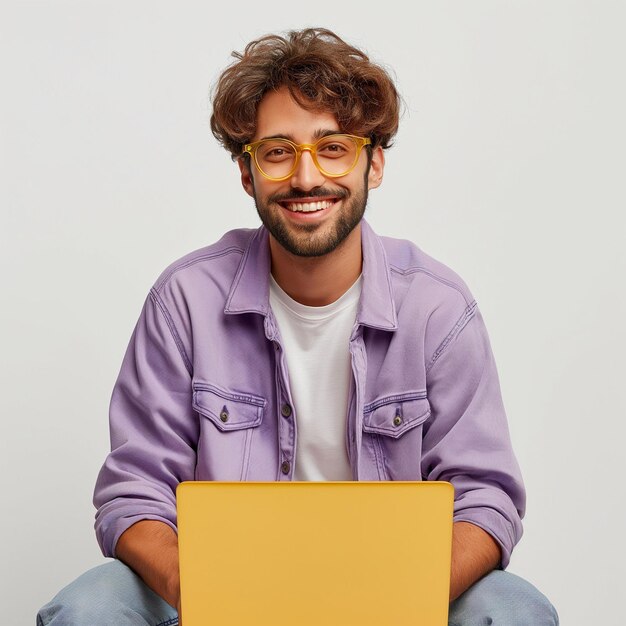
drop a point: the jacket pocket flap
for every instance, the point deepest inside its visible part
(394, 415)
(228, 410)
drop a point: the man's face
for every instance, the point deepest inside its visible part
(341, 201)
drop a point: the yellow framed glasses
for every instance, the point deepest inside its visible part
(334, 155)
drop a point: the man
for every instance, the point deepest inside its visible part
(309, 349)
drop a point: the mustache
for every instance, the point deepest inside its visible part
(314, 193)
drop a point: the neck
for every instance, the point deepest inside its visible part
(318, 281)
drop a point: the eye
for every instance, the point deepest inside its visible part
(333, 147)
(334, 150)
(276, 152)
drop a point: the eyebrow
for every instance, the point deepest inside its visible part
(318, 134)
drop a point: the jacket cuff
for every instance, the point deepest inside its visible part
(110, 526)
(494, 523)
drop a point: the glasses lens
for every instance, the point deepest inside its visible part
(336, 154)
(275, 158)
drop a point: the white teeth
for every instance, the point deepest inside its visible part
(308, 207)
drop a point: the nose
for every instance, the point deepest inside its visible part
(307, 176)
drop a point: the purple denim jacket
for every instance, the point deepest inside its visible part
(203, 392)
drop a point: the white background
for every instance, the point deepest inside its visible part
(509, 167)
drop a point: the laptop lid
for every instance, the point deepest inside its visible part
(315, 553)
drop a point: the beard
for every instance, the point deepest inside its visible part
(312, 240)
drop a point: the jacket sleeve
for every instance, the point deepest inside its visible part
(153, 430)
(467, 439)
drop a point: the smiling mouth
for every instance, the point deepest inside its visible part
(309, 206)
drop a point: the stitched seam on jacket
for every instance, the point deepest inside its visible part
(395, 432)
(394, 319)
(380, 459)
(239, 274)
(246, 454)
(467, 315)
(398, 397)
(444, 281)
(190, 262)
(170, 324)
(245, 398)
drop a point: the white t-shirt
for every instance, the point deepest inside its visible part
(316, 343)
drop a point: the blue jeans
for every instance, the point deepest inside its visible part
(113, 594)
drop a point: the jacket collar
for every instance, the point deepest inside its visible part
(249, 292)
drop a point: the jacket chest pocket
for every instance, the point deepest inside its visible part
(392, 434)
(227, 424)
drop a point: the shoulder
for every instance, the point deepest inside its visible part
(216, 262)
(409, 264)
(428, 295)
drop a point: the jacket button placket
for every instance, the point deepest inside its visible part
(287, 436)
(286, 421)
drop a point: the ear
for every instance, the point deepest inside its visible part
(246, 176)
(377, 166)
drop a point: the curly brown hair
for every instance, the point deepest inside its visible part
(321, 71)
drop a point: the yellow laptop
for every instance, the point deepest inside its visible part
(315, 553)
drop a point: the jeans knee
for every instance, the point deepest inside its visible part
(105, 595)
(75, 610)
(502, 599)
